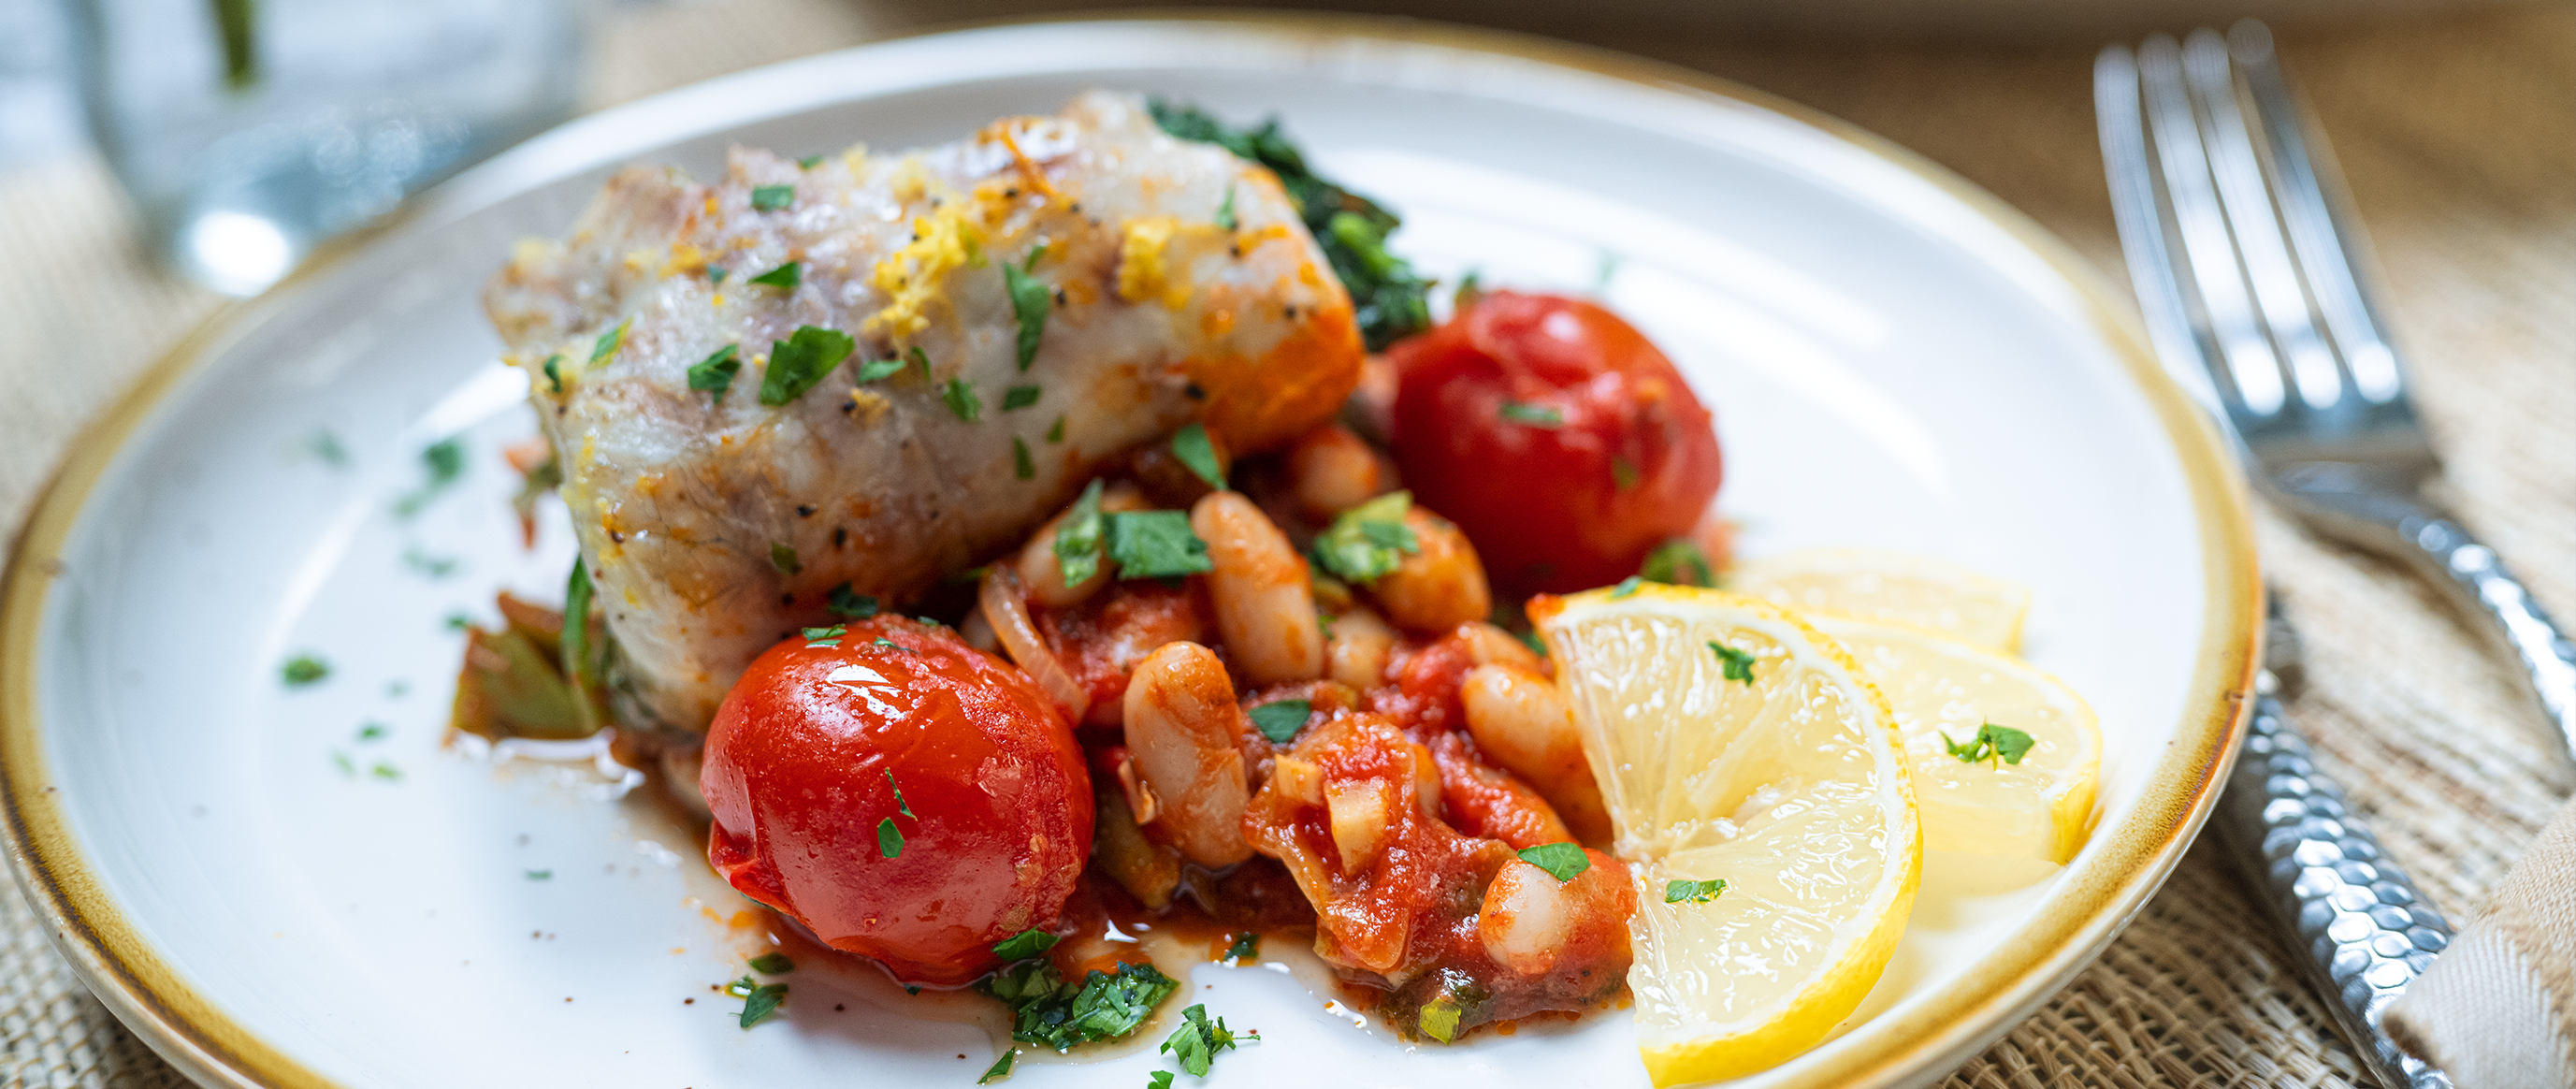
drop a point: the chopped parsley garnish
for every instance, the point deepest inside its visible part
(1025, 944)
(1471, 290)
(1022, 465)
(1627, 587)
(1019, 397)
(889, 838)
(783, 557)
(1197, 1041)
(1562, 861)
(1695, 892)
(875, 369)
(1158, 1079)
(1440, 1018)
(960, 397)
(419, 559)
(784, 276)
(797, 363)
(605, 348)
(384, 770)
(1992, 743)
(900, 806)
(1247, 945)
(1192, 446)
(1225, 211)
(1623, 473)
(326, 446)
(1056, 433)
(1156, 544)
(919, 359)
(714, 374)
(1000, 1069)
(554, 371)
(1047, 1009)
(890, 644)
(772, 964)
(1030, 300)
(575, 647)
(540, 875)
(856, 606)
(1281, 720)
(1368, 540)
(1548, 417)
(373, 731)
(341, 761)
(1078, 538)
(770, 198)
(1738, 664)
(303, 669)
(809, 162)
(445, 461)
(825, 637)
(1678, 562)
(759, 1000)
(1388, 298)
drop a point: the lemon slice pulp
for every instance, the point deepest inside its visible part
(1943, 691)
(1891, 586)
(1767, 761)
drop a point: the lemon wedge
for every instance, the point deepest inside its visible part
(1734, 742)
(1893, 586)
(1944, 691)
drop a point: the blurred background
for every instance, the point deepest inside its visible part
(158, 157)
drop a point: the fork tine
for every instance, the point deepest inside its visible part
(2142, 237)
(2325, 245)
(2208, 249)
(2282, 300)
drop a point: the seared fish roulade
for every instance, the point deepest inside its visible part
(870, 371)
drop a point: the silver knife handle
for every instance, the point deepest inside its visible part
(2473, 574)
(2367, 931)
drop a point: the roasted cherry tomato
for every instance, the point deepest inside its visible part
(905, 796)
(1562, 441)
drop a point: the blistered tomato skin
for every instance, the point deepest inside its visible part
(1604, 454)
(803, 763)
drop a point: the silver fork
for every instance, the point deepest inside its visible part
(2246, 272)
(2246, 269)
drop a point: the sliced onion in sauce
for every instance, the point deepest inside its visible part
(1007, 610)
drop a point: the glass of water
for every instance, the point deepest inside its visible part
(247, 131)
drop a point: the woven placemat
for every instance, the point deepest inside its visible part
(2455, 134)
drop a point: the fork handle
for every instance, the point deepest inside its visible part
(2366, 931)
(2357, 508)
(2479, 582)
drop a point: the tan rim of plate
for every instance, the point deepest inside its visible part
(211, 1046)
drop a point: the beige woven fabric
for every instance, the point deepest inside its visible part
(2458, 134)
(2498, 1010)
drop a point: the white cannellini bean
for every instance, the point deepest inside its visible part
(1438, 587)
(1525, 918)
(1332, 470)
(1521, 722)
(1264, 607)
(1360, 647)
(1181, 730)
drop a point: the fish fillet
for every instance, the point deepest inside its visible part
(1180, 285)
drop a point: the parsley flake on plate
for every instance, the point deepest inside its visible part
(1281, 720)
(1025, 944)
(799, 362)
(444, 461)
(540, 875)
(1736, 665)
(1000, 1069)
(1694, 892)
(1050, 1010)
(1992, 743)
(1156, 544)
(1195, 1044)
(714, 374)
(303, 669)
(784, 276)
(1562, 861)
(1078, 538)
(1194, 449)
(1247, 945)
(770, 198)
(1368, 540)
(1030, 301)
(759, 1000)
(772, 964)
(1158, 1079)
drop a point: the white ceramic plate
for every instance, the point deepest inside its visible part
(1894, 360)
